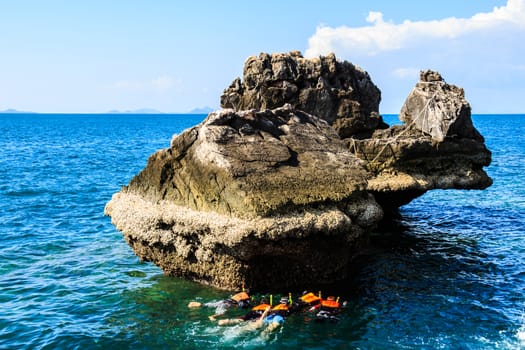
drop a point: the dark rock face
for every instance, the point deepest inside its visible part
(278, 190)
(244, 193)
(338, 92)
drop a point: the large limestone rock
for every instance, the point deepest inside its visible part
(278, 190)
(336, 91)
(437, 147)
(243, 194)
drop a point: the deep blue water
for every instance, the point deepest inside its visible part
(450, 274)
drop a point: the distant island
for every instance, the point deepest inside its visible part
(14, 111)
(137, 111)
(202, 110)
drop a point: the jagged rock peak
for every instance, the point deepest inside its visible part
(429, 76)
(336, 91)
(438, 109)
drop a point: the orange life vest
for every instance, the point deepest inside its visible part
(260, 307)
(280, 307)
(241, 296)
(310, 298)
(333, 304)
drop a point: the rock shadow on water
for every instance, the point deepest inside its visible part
(436, 286)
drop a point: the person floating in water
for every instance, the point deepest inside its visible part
(278, 314)
(241, 300)
(255, 313)
(329, 309)
(309, 300)
(263, 315)
(325, 309)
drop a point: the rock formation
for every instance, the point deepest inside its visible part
(279, 188)
(338, 92)
(438, 109)
(246, 193)
(437, 147)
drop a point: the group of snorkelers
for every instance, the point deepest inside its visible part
(265, 313)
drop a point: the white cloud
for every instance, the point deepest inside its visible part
(387, 36)
(483, 54)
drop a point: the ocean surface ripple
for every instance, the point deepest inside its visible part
(448, 274)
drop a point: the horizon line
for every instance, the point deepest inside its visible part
(15, 112)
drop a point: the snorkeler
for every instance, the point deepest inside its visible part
(325, 309)
(241, 300)
(309, 300)
(255, 313)
(263, 314)
(329, 309)
(278, 314)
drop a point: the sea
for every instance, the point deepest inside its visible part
(448, 273)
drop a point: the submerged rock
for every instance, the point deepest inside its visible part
(279, 189)
(247, 192)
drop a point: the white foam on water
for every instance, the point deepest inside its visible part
(244, 336)
(521, 335)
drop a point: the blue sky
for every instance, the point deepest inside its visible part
(95, 56)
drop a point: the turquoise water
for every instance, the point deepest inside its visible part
(449, 274)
